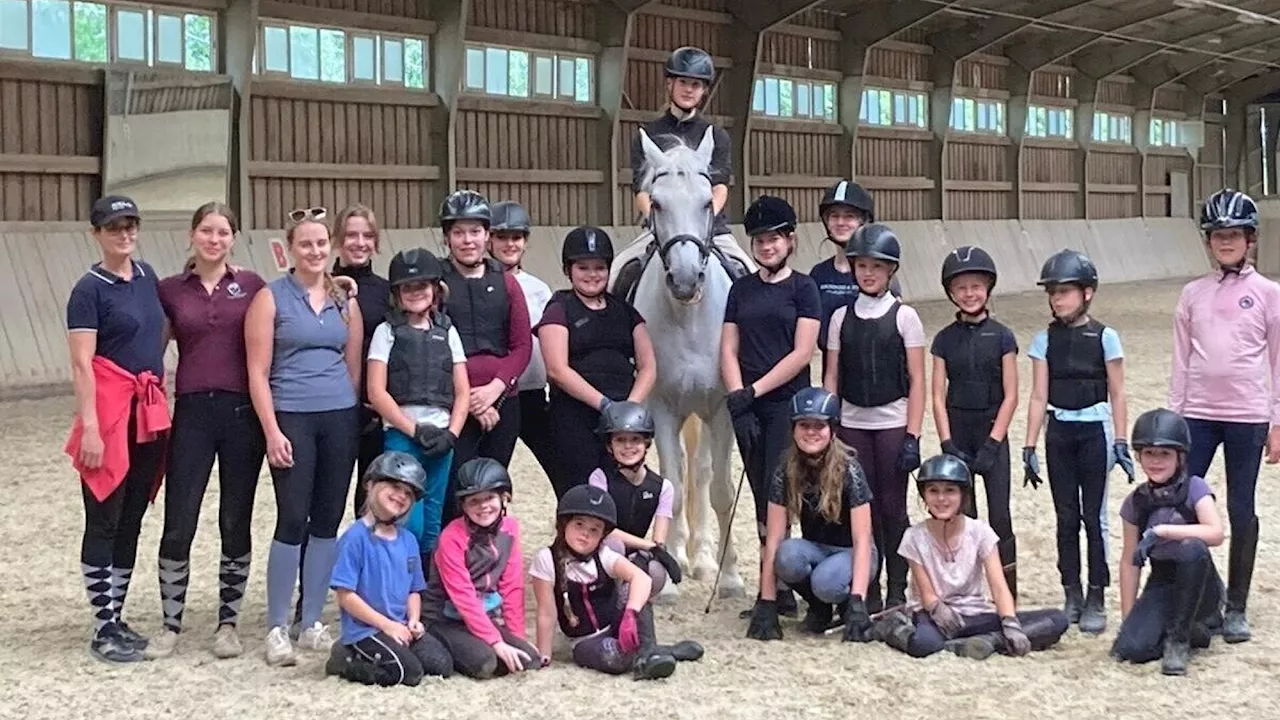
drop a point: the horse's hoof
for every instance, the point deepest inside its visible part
(730, 592)
(702, 572)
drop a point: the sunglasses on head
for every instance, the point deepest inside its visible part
(302, 215)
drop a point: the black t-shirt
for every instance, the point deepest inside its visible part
(661, 131)
(766, 316)
(813, 526)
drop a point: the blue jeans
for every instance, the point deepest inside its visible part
(1242, 445)
(424, 518)
(828, 568)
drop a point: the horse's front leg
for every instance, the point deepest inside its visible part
(671, 460)
(722, 492)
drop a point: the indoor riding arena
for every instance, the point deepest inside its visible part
(1021, 126)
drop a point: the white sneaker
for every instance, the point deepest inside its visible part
(316, 637)
(162, 645)
(280, 648)
(226, 642)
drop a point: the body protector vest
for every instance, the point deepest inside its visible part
(873, 359)
(420, 366)
(480, 309)
(637, 504)
(975, 377)
(1148, 497)
(594, 604)
(601, 347)
(1077, 366)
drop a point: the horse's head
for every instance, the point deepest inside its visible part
(679, 185)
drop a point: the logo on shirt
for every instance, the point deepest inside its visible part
(1246, 302)
(646, 495)
(234, 290)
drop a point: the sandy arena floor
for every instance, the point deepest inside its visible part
(48, 672)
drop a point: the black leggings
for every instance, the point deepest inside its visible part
(111, 527)
(877, 451)
(970, 430)
(1043, 629)
(1077, 454)
(380, 660)
(497, 444)
(370, 447)
(579, 449)
(208, 425)
(311, 494)
(1186, 589)
(761, 458)
(474, 657)
(535, 430)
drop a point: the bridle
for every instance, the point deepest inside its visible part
(703, 242)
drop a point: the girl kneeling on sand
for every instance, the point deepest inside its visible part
(600, 600)
(474, 602)
(950, 555)
(378, 581)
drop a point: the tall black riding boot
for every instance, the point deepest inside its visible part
(817, 619)
(1008, 549)
(1244, 548)
(651, 662)
(1192, 575)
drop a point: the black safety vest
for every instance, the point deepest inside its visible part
(1077, 366)
(480, 309)
(873, 359)
(1147, 498)
(975, 377)
(420, 366)
(601, 347)
(594, 604)
(636, 503)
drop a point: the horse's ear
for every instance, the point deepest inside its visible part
(707, 147)
(652, 153)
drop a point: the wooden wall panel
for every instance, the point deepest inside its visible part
(397, 203)
(1051, 182)
(916, 34)
(903, 205)
(513, 141)
(972, 161)
(565, 204)
(800, 51)
(897, 64)
(1050, 206)
(1114, 168)
(708, 5)
(1158, 167)
(146, 101)
(1107, 206)
(893, 157)
(979, 74)
(977, 205)
(1053, 84)
(1050, 165)
(572, 18)
(51, 144)
(804, 200)
(1115, 92)
(399, 8)
(792, 153)
(657, 32)
(1211, 151)
(1171, 99)
(817, 18)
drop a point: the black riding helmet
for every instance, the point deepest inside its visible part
(482, 475)
(815, 403)
(1069, 267)
(848, 194)
(967, 259)
(1228, 208)
(691, 62)
(414, 265)
(626, 417)
(944, 468)
(769, 214)
(1162, 428)
(588, 501)
(586, 243)
(509, 216)
(464, 205)
(398, 467)
(875, 241)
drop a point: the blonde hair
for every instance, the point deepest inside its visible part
(825, 472)
(204, 211)
(361, 211)
(337, 294)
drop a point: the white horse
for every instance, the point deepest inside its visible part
(682, 293)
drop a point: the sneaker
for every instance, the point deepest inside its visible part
(109, 645)
(226, 642)
(976, 647)
(162, 646)
(131, 636)
(316, 637)
(280, 648)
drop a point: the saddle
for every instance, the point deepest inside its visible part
(627, 278)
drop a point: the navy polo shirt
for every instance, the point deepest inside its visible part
(126, 315)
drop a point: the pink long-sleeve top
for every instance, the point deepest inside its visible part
(471, 563)
(1226, 349)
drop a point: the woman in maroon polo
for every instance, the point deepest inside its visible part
(213, 416)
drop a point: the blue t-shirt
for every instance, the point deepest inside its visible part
(766, 315)
(1111, 350)
(126, 315)
(382, 572)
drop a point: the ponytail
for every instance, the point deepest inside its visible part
(561, 557)
(339, 297)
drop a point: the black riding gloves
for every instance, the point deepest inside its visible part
(909, 455)
(1031, 468)
(764, 621)
(739, 401)
(985, 462)
(950, 448)
(435, 441)
(857, 623)
(1124, 459)
(1148, 541)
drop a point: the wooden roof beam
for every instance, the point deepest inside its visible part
(1035, 54)
(1100, 63)
(761, 15)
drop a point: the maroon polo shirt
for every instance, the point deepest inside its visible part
(209, 328)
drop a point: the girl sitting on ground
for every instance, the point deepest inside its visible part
(600, 600)
(950, 555)
(378, 581)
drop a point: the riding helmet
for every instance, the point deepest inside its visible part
(691, 62)
(1069, 266)
(968, 259)
(626, 417)
(590, 501)
(944, 468)
(414, 265)
(848, 194)
(586, 243)
(482, 475)
(815, 403)
(1228, 208)
(875, 241)
(1162, 428)
(398, 467)
(465, 205)
(510, 216)
(769, 214)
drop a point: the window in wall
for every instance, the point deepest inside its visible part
(1111, 127)
(519, 73)
(894, 107)
(1050, 122)
(977, 116)
(1165, 132)
(794, 98)
(102, 32)
(336, 55)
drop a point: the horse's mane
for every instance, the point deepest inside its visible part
(679, 158)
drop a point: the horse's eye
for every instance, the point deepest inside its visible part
(654, 205)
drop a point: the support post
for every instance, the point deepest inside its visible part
(942, 69)
(449, 53)
(1236, 130)
(1019, 80)
(1088, 97)
(1144, 102)
(739, 84)
(240, 31)
(613, 31)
